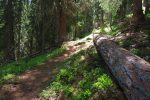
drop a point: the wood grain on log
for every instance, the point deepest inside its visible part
(131, 72)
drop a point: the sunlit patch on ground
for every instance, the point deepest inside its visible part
(82, 77)
(10, 70)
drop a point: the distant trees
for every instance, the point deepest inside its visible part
(146, 4)
(28, 27)
(121, 8)
(111, 6)
(13, 29)
(18, 10)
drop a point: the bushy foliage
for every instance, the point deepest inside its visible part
(110, 6)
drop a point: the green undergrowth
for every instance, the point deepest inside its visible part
(139, 45)
(83, 35)
(8, 71)
(109, 30)
(81, 77)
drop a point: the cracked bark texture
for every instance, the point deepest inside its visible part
(131, 72)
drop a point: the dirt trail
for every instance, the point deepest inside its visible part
(27, 85)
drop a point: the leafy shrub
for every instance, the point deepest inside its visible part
(65, 76)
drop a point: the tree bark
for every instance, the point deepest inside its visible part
(9, 31)
(62, 22)
(131, 72)
(102, 17)
(122, 10)
(17, 25)
(138, 15)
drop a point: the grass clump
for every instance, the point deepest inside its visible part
(143, 52)
(126, 43)
(138, 44)
(9, 71)
(81, 77)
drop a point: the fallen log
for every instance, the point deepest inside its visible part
(131, 72)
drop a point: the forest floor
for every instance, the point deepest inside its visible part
(135, 40)
(51, 73)
(26, 85)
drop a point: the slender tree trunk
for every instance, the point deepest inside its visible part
(138, 15)
(102, 17)
(62, 23)
(122, 11)
(76, 26)
(18, 27)
(41, 23)
(42, 38)
(31, 45)
(9, 32)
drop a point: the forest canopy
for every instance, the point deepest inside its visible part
(29, 27)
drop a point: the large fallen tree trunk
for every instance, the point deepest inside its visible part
(131, 72)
